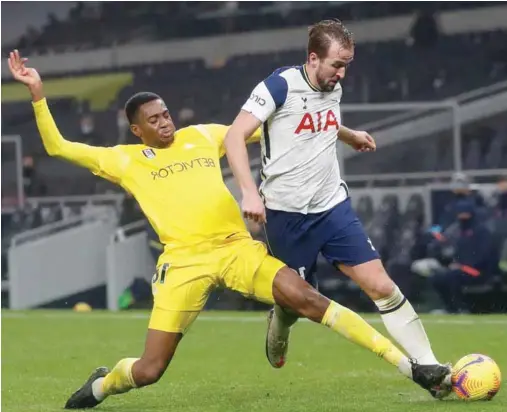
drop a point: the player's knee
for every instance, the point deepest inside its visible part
(151, 372)
(381, 285)
(383, 289)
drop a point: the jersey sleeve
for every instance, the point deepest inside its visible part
(216, 134)
(107, 162)
(267, 97)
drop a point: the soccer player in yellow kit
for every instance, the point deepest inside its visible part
(176, 178)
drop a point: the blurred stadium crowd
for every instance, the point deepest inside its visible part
(426, 65)
(115, 23)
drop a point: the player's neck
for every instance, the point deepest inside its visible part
(159, 145)
(311, 76)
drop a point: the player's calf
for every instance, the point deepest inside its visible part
(147, 372)
(398, 315)
(158, 353)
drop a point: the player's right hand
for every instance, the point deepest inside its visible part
(253, 207)
(26, 75)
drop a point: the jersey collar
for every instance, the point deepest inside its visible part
(306, 78)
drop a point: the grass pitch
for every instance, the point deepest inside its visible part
(220, 365)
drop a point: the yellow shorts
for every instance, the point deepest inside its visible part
(180, 291)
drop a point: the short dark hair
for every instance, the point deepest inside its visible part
(136, 101)
(322, 33)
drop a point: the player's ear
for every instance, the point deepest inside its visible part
(136, 130)
(313, 59)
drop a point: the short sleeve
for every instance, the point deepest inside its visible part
(216, 134)
(267, 97)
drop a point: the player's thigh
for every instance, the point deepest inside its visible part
(172, 321)
(179, 294)
(250, 270)
(351, 250)
(264, 278)
(289, 239)
(347, 242)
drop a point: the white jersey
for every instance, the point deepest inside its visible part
(300, 171)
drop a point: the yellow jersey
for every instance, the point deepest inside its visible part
(179, 188)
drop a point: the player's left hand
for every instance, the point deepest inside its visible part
(363, 142)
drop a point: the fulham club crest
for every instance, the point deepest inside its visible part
(149, 153)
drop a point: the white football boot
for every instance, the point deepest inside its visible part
(277, 336)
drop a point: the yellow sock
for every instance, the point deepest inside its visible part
(357, 330)
(119, 380)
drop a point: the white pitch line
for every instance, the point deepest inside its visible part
(238, 319)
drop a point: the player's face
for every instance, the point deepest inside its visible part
(154, 125)
(331, 69)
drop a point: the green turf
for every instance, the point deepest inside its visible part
(220, 365)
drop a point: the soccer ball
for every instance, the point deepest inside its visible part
(476, 377)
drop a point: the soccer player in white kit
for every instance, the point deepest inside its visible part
(303, 200)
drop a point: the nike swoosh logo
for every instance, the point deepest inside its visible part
(480, 359)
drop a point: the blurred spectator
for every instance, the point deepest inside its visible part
(498, 223)
(33, 185)
(500, 209)
(425, 31)
(88, 132)
(123, 127)
(461, 188)
(502, 264)
(186, 117)
(472, 260)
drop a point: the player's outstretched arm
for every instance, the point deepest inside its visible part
(100, 160)
(244, 126)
